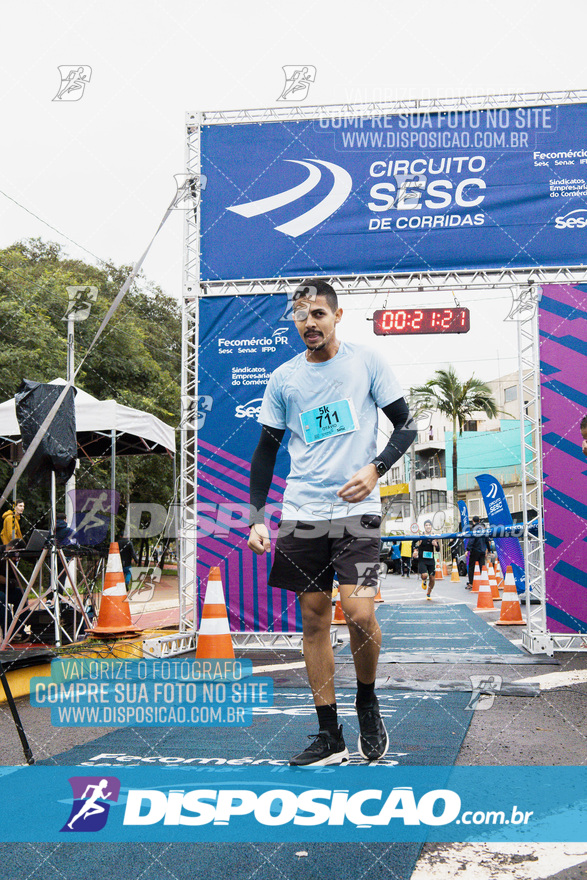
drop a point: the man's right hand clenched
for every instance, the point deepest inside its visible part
(259, 541)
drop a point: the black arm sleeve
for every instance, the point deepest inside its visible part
(404, 432)
(262, 465)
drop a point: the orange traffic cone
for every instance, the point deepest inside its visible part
(214, 634)
(378, 597)
(493, 583)
(511, 613)
(484, 600)
(454, 575)
(339, 618)
(476, 579)
(498, 575)
(444, 569)
(114, 615)
(438, 575)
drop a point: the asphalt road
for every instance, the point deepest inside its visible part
(548, 729)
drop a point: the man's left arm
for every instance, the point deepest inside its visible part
(404, 433)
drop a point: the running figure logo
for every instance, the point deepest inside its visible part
(367, 580)
(81, 298)
(74, 78)
(297, 82)
(92, 511)
(483, 691)
(90, 808)
(525, 301)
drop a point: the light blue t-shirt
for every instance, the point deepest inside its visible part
(319, 469)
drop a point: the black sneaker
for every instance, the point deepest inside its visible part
(325, 749)
(373, 741)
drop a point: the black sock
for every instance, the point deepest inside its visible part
(327, 718)
(365, 693)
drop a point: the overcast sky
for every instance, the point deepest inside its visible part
(100, 170)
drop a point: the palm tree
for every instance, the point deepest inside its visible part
(457, 400)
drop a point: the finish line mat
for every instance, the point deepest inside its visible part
(424, 729)
(441, 633)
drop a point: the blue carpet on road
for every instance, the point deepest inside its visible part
(184, 861)
(438, 629)
(423, 729)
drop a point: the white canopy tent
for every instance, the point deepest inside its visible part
(103, 427)
(136, 432)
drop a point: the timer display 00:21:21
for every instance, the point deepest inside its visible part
(398, 322)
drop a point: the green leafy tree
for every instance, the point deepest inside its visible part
(136, 361)
(458, 401)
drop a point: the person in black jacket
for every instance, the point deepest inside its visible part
(127, 557)
(478, 547)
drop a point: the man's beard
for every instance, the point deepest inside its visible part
(320, 345)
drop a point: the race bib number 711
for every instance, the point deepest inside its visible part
(329, 420)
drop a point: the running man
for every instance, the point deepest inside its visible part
(328, 397)
(90, 807)
(426, 562)
(75, 80)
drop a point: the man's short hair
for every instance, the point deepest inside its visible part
(312, 287)
(476, 519)
(426, 521)
(583, 424)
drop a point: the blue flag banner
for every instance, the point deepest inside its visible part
(408, 192)
(245, 803)
(464, 511)
(509, 550)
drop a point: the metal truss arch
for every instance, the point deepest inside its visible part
(536, 637)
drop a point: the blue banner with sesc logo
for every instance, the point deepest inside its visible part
(509, 550)
(449, 190)
(242, 340)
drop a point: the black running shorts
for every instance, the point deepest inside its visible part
(426, 566)
(309, 554)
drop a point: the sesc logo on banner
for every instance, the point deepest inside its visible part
(576, 219)
(249, 410)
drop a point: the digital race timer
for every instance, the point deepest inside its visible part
(402, 322)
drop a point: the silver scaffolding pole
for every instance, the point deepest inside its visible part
(188, 512)
(535, 636)
(469, 279)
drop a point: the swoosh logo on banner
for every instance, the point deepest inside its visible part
(341, 188)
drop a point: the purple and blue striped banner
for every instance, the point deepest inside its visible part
(241, 341)
(563, 369)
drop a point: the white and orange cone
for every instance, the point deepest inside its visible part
(438, 575)
(214, 635)
(498, 575)
(511, 613)
(339, 618)
(454, 575)
(114, 615)
(378, 597)
(493, 583)
(484, 599)
(476, 579)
